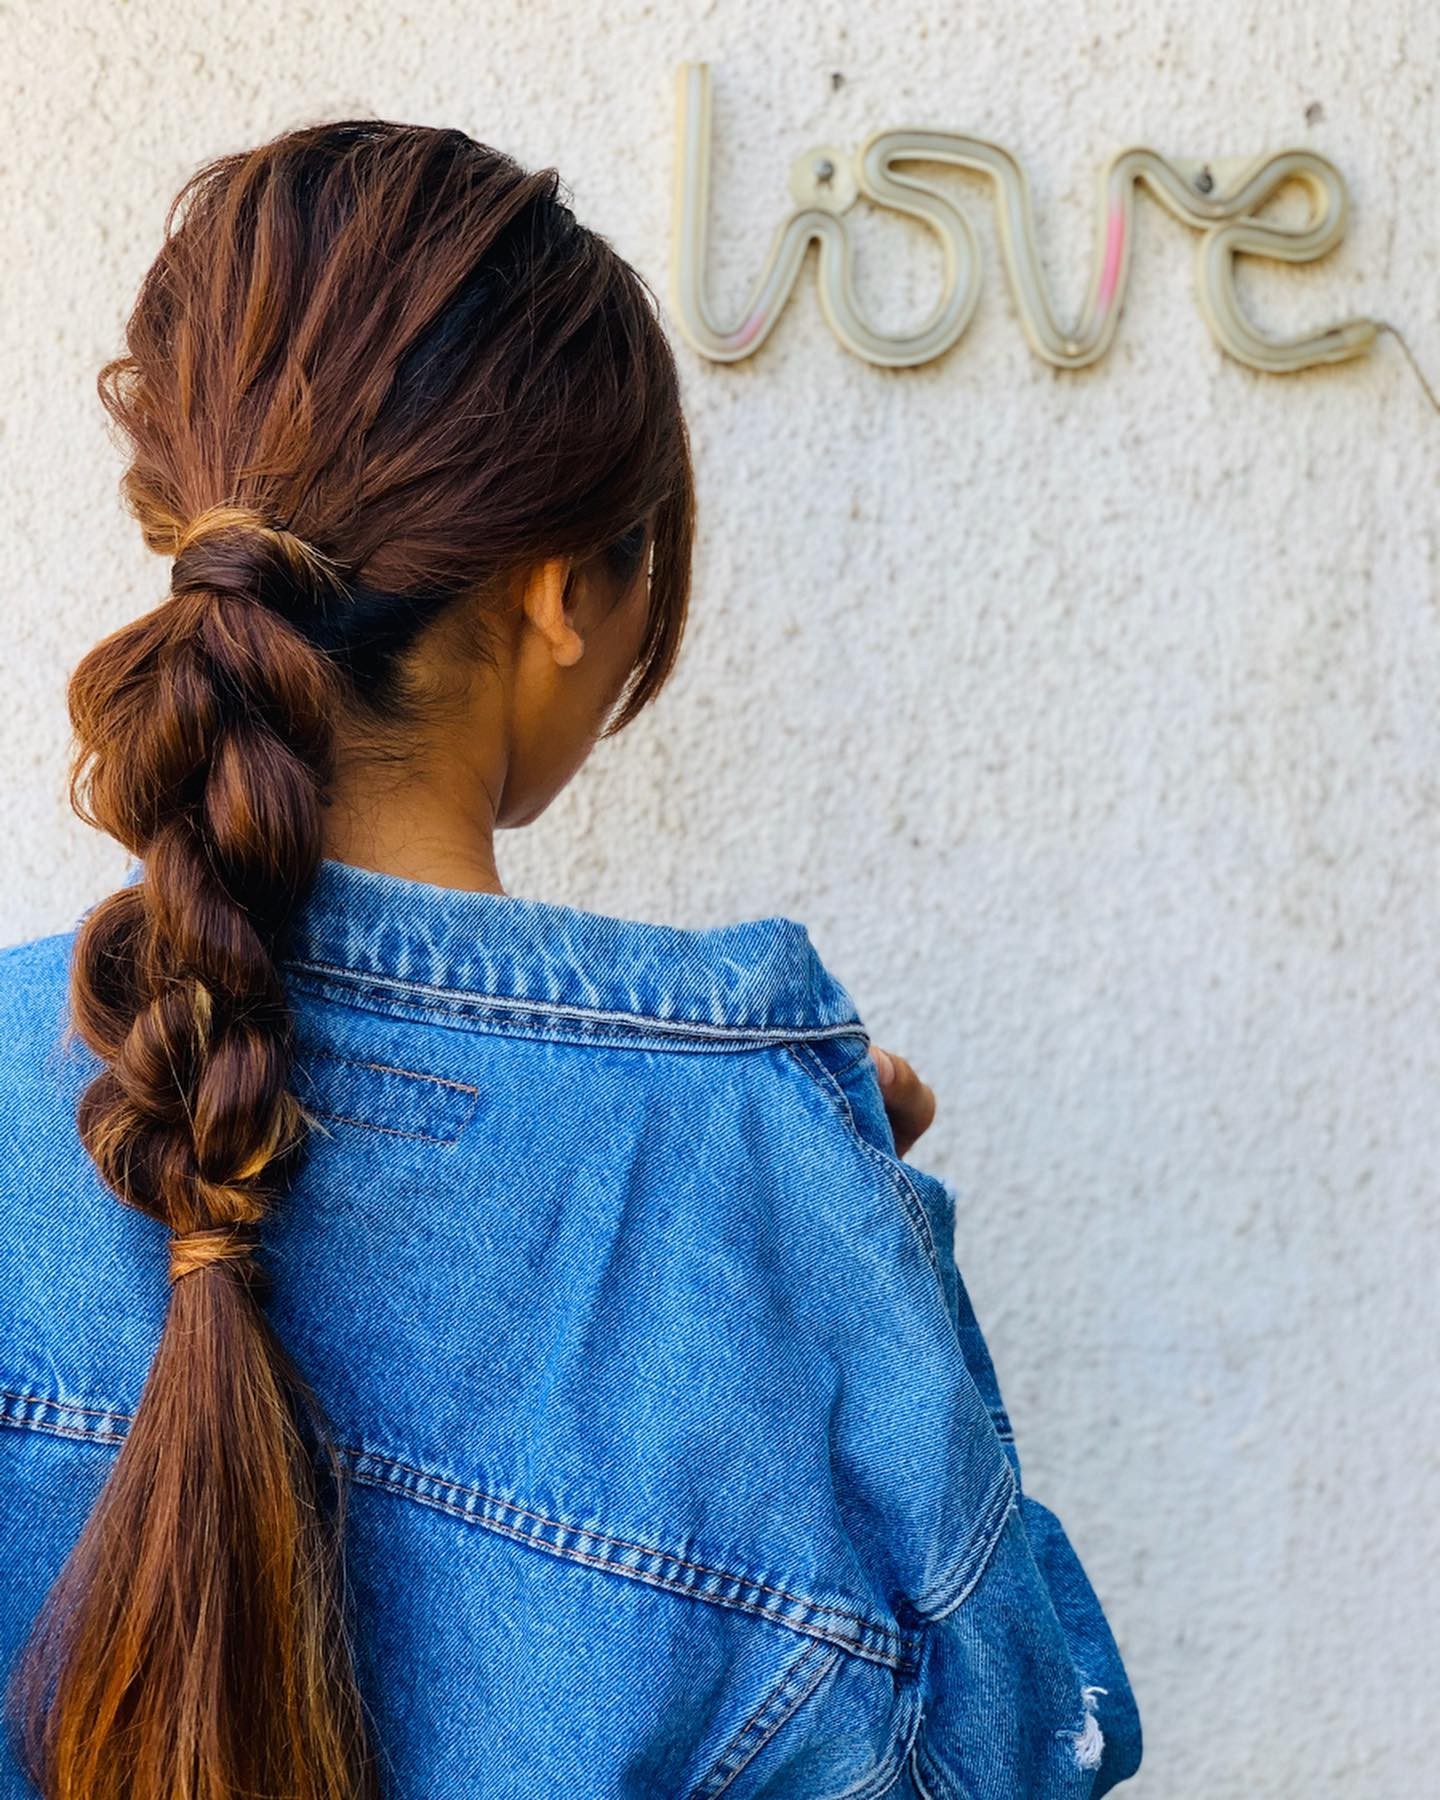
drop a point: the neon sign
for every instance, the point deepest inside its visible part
(825, 181)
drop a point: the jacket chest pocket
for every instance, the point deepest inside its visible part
(409, 1103)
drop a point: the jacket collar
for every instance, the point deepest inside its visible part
(758, 976)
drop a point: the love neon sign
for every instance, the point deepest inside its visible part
(826, 181)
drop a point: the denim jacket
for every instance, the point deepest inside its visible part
(678, 1466)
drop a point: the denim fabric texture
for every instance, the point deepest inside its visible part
(678, 1463)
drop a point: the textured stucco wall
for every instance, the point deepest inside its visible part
(1088, 720)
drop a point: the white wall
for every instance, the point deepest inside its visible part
(1087, 719)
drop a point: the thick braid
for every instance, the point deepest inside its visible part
(217, 786)
(204, 733)
(221, 799)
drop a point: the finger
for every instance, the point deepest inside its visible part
(898, 1078)
(909, 1101)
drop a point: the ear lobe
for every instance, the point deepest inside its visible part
(570, 649)
(545, 595)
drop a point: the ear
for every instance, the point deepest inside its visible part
(544, 605)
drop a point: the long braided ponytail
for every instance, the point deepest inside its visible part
(403, 338)
(205, 750)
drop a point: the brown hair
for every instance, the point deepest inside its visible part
(375, 368)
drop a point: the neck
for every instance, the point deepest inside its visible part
(419, 828)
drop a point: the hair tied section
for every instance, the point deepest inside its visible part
(192, 1250)
(231, 549)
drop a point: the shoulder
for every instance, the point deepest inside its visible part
(761, 975)
(30, 974)
(34, 1011)
(856, 1246)
(872, 1194)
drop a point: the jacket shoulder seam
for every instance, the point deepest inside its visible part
(891, 1167)
(959, 1579)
